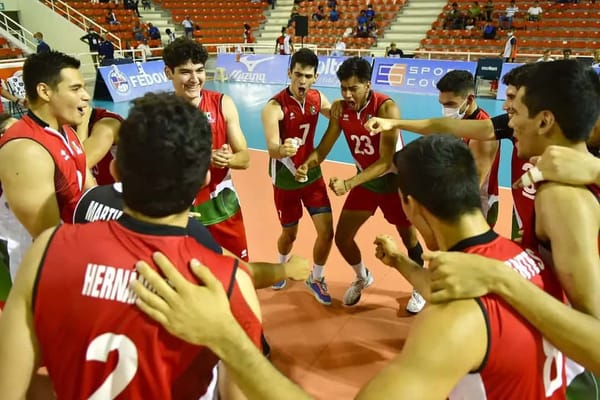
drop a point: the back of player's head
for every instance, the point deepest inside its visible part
(163, 154)
(445, 178)
(45, 68)
(516, 76)
(183, 50)
(306, 58)
(568, 89)
(459, 82)
(357, 67)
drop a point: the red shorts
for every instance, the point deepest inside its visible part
(289, 202)
(231, 235)
(361, 199)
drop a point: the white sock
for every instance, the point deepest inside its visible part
(283, 258)
(317, 272)
(360, 270)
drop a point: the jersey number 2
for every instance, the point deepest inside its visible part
(127, 366)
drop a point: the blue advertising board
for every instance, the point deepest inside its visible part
(254, 68)
(129, 81)
(410, 75)
(506, 68)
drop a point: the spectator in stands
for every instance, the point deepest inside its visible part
(42, 47)
(567, 54)
(334, 14)
(188, 27)
(170, 36)
(146, 4)
(488, 9)
(372, 28)
(545, 56)
(393, 51)
(133, 5)
(362, 18)
(370, 13)
(111, 18)
(153, 32)
(249, 38)
(361, 25)
(489, 30)
(106, 51)
(340, 48)
(293, 15)
(475, 11)
(454, 18)
(509, 15)
(534, 13)
(138, 32)
(145, 50)
(319, 15)
(348, 32)
(470, 23)
(596, 62)
(279, 42)
(510, 48)
(93, 40)
(288, 42)
(332, 3)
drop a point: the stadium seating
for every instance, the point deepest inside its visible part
(574, 26)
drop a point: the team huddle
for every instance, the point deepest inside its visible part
(149, 210)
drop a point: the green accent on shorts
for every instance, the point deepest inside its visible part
(286, 181)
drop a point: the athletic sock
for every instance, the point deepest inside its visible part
(360, 270)
(415, 254)
(283, 258)
(317, 272)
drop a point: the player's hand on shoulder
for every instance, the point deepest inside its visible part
(336, 109)
(456, 275)
(196, 314)
(297, 268)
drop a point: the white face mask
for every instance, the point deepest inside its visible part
(454, 113)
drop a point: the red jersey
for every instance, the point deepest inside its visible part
(300, 120)
(101, 170)
(210, 105)
(279, 42)
(523, 198)
(66, 152)
(363, 146)
(94, 341)
(519, 363)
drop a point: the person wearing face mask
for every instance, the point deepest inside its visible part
(457, 97)
(374, 185)
(42, 47)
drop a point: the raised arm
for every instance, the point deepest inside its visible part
(271, 115)
(470, 129)
(103, 136)
(27, 176)
(325, 106)
(235, 137)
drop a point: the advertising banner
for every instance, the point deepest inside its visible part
(328, 66)
(506, 68)
(410, 75)
(254, 68)
(129, 81)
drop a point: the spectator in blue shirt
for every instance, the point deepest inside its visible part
(370, 12)
(42, 47)
(334, 14)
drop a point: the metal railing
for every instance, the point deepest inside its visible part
(18, 31)
(77, 18)
(473, 55)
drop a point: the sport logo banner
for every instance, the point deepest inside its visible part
(129, 81)
(255, 68)
(410, 75)
(327, 70)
